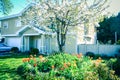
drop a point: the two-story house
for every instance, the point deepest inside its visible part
(26, 37)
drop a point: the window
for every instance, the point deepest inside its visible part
(18, 23)
(86, 30)
(5, 25)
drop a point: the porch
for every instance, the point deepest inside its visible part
(41, 42)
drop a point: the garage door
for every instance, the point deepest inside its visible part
(14, 42)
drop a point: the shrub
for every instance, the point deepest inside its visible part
(96, 56)
(90, 54)
(65, 66)
(14, 49)
(104, 73)
(34, 51)
(118, 42)
(116, 66)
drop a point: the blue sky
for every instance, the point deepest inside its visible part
(20, 4)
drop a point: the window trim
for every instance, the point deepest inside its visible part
(5, 24)
(18, 23)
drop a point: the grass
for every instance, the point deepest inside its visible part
(8, 66)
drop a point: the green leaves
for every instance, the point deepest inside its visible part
(5, 6)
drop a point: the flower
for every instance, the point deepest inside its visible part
(29, 59)
(26, 59)
(40, 56)
(79, 55)
(23, 60)
(98, 61)
(100, 58)
(65, 65)
(35, 65)
(68, 64)
(52, 66)
(74, 65)
(31, 56)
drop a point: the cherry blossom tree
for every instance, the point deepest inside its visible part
(59, 16)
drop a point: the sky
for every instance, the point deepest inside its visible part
(19, 5)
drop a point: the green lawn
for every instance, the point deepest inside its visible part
(8, 66)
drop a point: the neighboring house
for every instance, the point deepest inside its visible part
(26, 37)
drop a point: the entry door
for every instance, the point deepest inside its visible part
(26, 43)
(40, 45)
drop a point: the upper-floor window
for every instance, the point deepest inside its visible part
(18, 23)
(5, 24)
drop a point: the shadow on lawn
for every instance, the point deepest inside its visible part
(14, 56)
(17, 55)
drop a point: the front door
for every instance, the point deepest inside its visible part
(26, 43)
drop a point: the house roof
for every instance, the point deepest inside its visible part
(38, 29)
(19, 14)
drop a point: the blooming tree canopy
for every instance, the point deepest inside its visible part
(60, 15)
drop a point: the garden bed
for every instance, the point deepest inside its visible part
(59, 66)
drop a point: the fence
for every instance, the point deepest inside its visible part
(109, 50)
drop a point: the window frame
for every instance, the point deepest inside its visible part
(18, 23)
(5, 24)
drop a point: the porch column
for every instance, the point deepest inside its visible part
(42, 43)
(22, 43)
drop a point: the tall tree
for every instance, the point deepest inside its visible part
(5, 6)
(60, 16)
(109, 28)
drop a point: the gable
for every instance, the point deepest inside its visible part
(29, 31)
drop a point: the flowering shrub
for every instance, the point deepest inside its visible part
(64, 66)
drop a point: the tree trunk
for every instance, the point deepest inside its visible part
(62, 48)
(61, 39)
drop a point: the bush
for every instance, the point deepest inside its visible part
(116, 66)
(34, 51)
(14, 49)
(90, 54)
(65, 66)
(118, 42)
